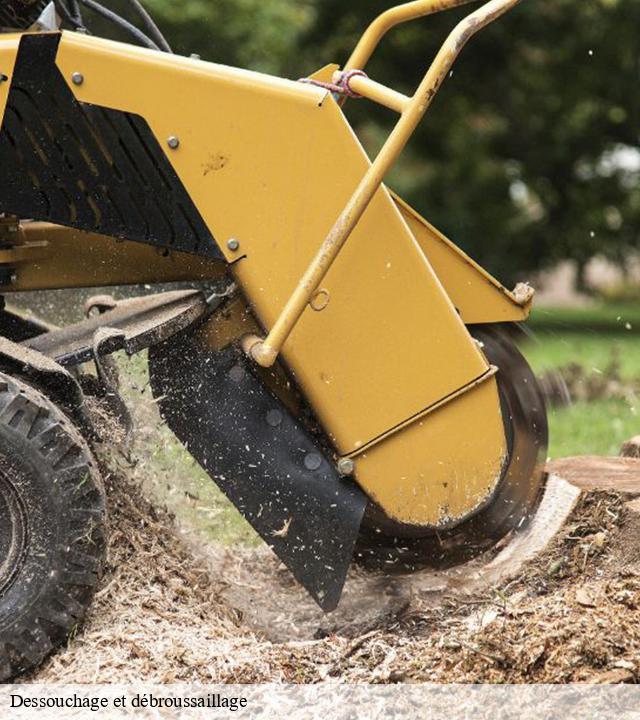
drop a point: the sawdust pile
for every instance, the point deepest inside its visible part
(572, 615)
(157, 615)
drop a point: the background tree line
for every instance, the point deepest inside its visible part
(529, 154)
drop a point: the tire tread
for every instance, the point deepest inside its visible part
(67, 591)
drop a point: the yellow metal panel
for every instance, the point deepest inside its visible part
(478, 297)
(441, 468)
(325, 74)
(432, 459)
(265, 350)
(272, 163)
(47, 257)
(8, 52)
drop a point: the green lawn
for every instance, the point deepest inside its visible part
(595, 428)
(595, 351)
(594, 338)
(615, 317)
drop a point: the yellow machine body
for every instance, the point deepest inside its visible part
(382, 354)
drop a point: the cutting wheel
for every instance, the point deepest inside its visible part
(385, 543)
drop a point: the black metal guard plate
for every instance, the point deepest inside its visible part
(134, 325)
(86, 166)
(259, 455)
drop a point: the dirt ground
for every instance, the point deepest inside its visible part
(170, 612)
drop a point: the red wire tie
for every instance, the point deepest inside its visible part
(342, 87)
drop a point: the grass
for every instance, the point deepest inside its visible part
(602, 317)
(594, 428)
(594, 337)
(594, 351)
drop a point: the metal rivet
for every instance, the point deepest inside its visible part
(3, 78)
(195, 56)
(312, 461)
(346, 466)
(233, 245)
(173, 142)
(274, 418)
(77, 78)
(236, 373)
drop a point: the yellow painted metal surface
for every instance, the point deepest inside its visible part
(478, 297)
(272, 164)
(227, 325)
(46, 257)
(434, 470)
(376, 92)
(325, 74)
(443, 467)
(266, 350)
(8, 50)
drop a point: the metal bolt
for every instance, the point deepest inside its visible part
(173, 142)
(346, 466)
(195, 56)
(77, 78)
(233, 244)
(237, 373)
(312, 461)
(274, 418)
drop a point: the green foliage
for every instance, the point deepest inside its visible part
(258, 34)
(527, 156)
(515, 161)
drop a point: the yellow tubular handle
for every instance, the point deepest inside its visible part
(265, 352)
(390, 19)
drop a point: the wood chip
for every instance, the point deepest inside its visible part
(584, 598)
(613, 677)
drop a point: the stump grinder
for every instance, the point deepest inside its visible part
(343, 372)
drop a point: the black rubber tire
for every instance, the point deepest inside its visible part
(52, 527)
(515, 499)
(20, 14)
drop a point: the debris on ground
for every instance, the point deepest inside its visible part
(163, 614)
(157, 616)
(631, 448)
(574, 382)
